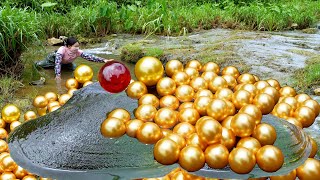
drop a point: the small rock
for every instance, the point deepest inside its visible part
(294, 25)
(317, 91)
(310, 30)
(54, 41)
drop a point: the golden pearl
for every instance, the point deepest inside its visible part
(192, 72)
(3, 146)
(231, 109)
(149, 99)
(149, 70)
(241, 160)
(178, 139)
(201, 104)
(242, 125)
(29, 115)
(282, 110)
(204, 92)
(253, 111)
(239, 86)
(83, 73)
(184, 93)
(193, 139)
(181, 78)
(10, 113)
(302, 97)
(246, 78)
(261, 85)
(250, 88)
(184, 129)
(149, 133)
(217, 109)
(272, 92)
(265, 134)
(19, 172)
(224, 93)
(132, 127)
(7, 176)
(287, 91)
(194, 64)
(3, 133)
(40, 102)
(8, 164)
(54, 108)
(291, 101)
(209, 131)
(42, 111)
(314, 147)
(169, 101)
(136, 90)
(290, 176)
(228, 138)
(72, 83)
(14, 124)
(87, 83)
(198, 83)
(231, 70)
(29, 177)
(113, 128)
(231, 81)
(250, 143)
(305, 115)
(166, 132)
(312, 104)
(191, 158)
(166, 86)
(52, 104)
(310, 170)
(178, 176)
(211, 67)
(120, 113)
(241, 98)
(2, 124)
(208, 76)
(173, 66)
(216, 156)
(295, 122)
(3, 154)
(185, 105)
(166, 118)
(189, 176)
(64, 98)
(269, 158)
(145, 112)
(51, 96)
(274, 83)
(217, 83)
(166, 151)
(227, 122)
(264, 102)
(203, 118)
(71, 91)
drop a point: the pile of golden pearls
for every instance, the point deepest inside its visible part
(11, 118)
(203, 115)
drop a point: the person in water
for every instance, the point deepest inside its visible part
(63, 58)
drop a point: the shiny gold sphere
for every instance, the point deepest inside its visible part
(191, 158)
(166, 151)
(54, 108)
(149, 99)
(2, 124)
(242, 124)
(184, 129)
(166, 132)
(42, 111)
(87, 83)
(64, 98)
(228, 138)
(272, 92)
(178, 139)
(3, 133)
(173, 66)
(217, 109)
(190, 176)
(149, 70)
(19, 172)
(185, 105)
(224, 93)
(166, 118)
(192, 72)
(274, 83)
(71, 91)
(264, 102)
(270, 158)
(83, 73)
(3, 146)
(246, 78)
(209, 131)
(217, 83)
(136, 90)
(72, 83)
(29, 177)
(169, 101)
(216, 156)
(253, 111)
(145, 112)
(265, 134)
(40, 102)
(208, 76)
(120, 113)
(29, 115)
(8, 164)
(166, 86)
(290, 176)
(310, 170)
(227, 122)
(249, 87)
(201, 104)
(231, 70)
(198, 83)
(231, 81)
(231, 109)
(193, 139)
(302, 97)
(261, 85)
(312, 104)
(52, 104)
(282, 110)
(51, 96)
(190, 115)
(211, 67)
(250, 143)
(113, 128)
(194, 64)
(241, 98)
(314, 147)
(241, 160)
(132, 127)
(10, 113)
(149, 133)
(177, 176)
(291, 101)
(295, 122)
(184, 93)
(7, 176)
(204, 92)
(305, 115)
(14, 124)
(287, 91)
(181, 78)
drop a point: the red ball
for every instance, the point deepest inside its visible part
(114, 77)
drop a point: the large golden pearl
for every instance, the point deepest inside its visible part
(241, 98)
(250, 143)
(282, 110)
(181, 78)
(166, 151)
(228, 138)
(64, 98)
(51, 96)
(290, 176)
(193, 139)
(3, 133)
(42, 111)
(231, 70)
(265, 134)
(10, 113)
(272, 92)
(83, 73)
(191, 158)
(291, 101)
(14, 124)
(231, 81)
(184, 93)
(166, 118)
(113, 128)
(19, 172)
(185, 105)
(149, 99)
(7, 163)
(302, 97)
(120, 113)
(184, 129)
(198, 83)
(287, 91)
(29, 177)
(204, 92)
(7, 176)
(295, 122)
(40, 102)
(194, 64)
(227, 122)
(217, 83)
(253, 111)
(242, 124)
(136, 90)
(261, 85)
(250, 88)
(314, 147)
(87, 83)
(211, 67)
(3, 146)
(274, 83)
(52, 104)
(305, 115)
(145, 112)
(310, 170)
(217, 109)
(269, 158)
(201, 104)
(72, 83)
(71, 91)
(264, 102)
(192, 72)
(209, 131)
(231, 109)
(169, 101)
(246, 78)
(312, 104)
(2, 124)
(241, 160)
(216, 156)
(208, 76)
(178, 139)
(149, 133)
(132, 127)
(224, 93)
(166, 86)
(29, 115)
(149, 70)
(173, 66)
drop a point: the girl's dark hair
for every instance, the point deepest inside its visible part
(70, 41)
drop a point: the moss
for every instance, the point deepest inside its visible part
(133, 52)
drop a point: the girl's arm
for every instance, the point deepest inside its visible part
(93, 58)
(57, 67)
